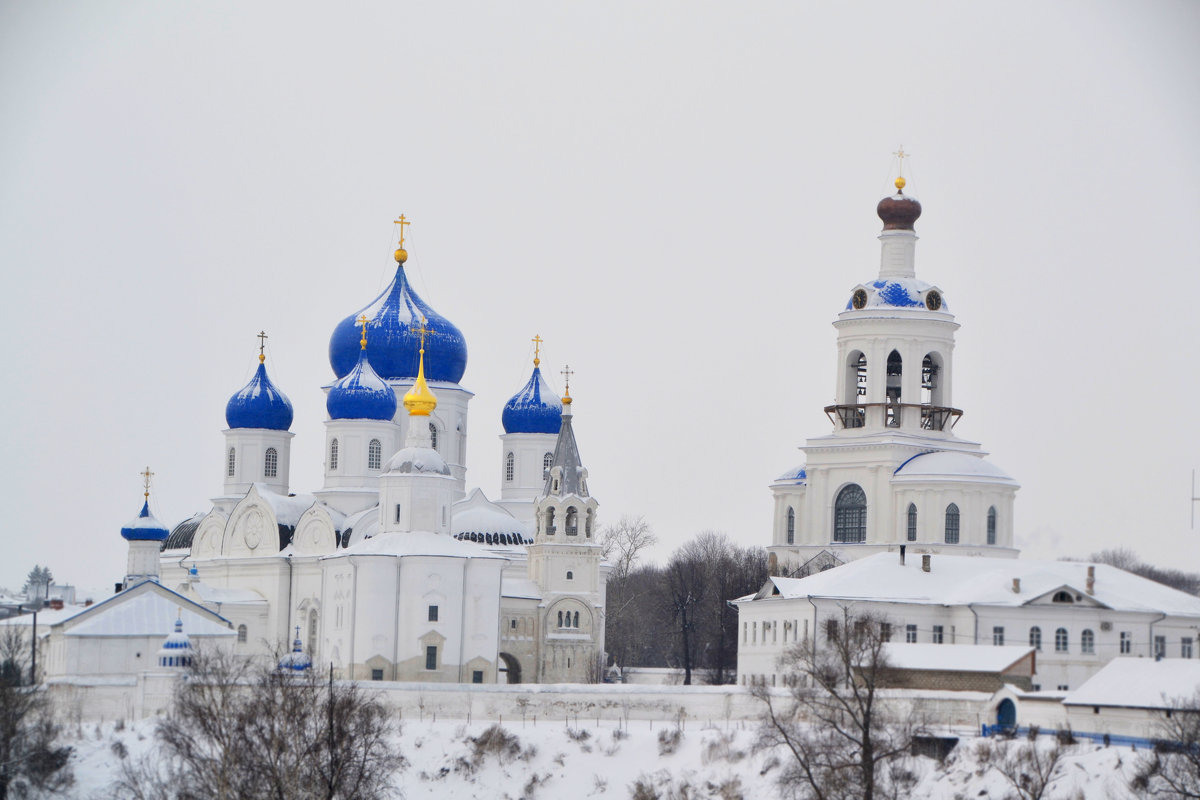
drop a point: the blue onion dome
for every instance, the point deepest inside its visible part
(394, 343)
(144, 527)
(534, 409)
(897, 293)
(297, 660)
(259, 404)
(361, 394)
(176, 650)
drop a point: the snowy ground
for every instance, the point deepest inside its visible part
(590, 761)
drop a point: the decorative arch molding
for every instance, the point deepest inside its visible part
(315, 533)
(575, 605)
(206, 543)
(252, 529)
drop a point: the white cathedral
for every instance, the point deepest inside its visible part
(390, 570)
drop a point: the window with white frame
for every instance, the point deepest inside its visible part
(1126, 643)
(991, 525)
(433, 436)
(547, 462)
(374, 454)
(231, 464)
(510, 467)
(1061, 641)
(791, 526)
(1160, 647)
(1185, 647)
(850, 515)
(333, 454)
(939, 634)
(910, 633)
(952, 524)
(271, 463)
(1087, 642)
(912, 522)
(998, 635)
(1035, 638)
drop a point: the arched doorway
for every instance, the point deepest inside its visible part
(1006, 714)
(510, 671)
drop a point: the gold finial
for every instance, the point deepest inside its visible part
(262, 345)
(418, 400)
(363, 321)
(901, 155)
(146, 476)
(401, 254)
(567, 372)
(537, 349)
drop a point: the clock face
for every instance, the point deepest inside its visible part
(860, 298)
(933, 301)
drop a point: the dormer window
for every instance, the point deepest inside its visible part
(1063, 597)
(547, 462)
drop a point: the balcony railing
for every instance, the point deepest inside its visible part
(933, 418)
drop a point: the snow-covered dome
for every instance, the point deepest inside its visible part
(417, 459)
(297, 660)
(897, 293)
(394, 344)
(361, 394)
(176, 650)
(794, 475)
(144, 527)
(951, 465)
(534, 409)
(259, 404)
(477, 519)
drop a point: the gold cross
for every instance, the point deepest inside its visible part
(146, 476)
(363, 321)
(424, 331)
(567, 372)
(402, 222)
(537, 348)
(900, 154)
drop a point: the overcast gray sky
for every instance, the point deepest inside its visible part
(677, 196)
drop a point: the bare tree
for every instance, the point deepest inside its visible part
(687, 586)
(844, 740)
(624, 543)
(30, 759)
(1029, 768)
(1173, 769)
(237, 730)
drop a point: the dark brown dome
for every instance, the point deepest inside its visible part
(898, 212)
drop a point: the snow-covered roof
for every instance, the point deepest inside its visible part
(954, 657)
(289, 508)
(417, 459)
(219, 594)
(148, 609)
(794, 475)
(950, 464)
(478, 519)
(1139, 683)
(519, 587)
(959, 580)
(416, 543)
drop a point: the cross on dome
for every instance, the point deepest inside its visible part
(901, 155)
(363, 321)
(567, 372)
(262, 346)
(146, 476)
(401, 254)
(537, 349)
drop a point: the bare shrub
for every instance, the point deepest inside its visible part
(1173, 768)
(495, 741)
(1029, 767)
(668, 741)
(578, 735)
(643, 789)
(31, 760)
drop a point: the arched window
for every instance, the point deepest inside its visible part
(271, 463)
(1062, 597)
(1035, 638)
(547, 462)
(560, 619)
(510, 467)
(1088, 642)
(241, 634)
(895, 370)
(231, 464)
(1060, 640)
(952, 524)
(312, 632)
(855, 391)
(576, 625)
(572, 521)
(333, 454)
(570, 575)
(931, 393)
(433, 436)
(850, 515)
(991, 525)
(549, 521)
(791, 526)
(587, 524)
(912, 522)
(374, 454)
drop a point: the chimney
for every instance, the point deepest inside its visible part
(902, 555)
(1091, 580)
(1016, 585)
(925, 560)
(56, 603)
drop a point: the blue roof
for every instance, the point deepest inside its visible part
(144, 527)
(259, 404)
(534, 409)
(897, 293)
(361, 394)
(796, 475)
(394, 345)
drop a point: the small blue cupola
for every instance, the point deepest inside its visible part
(259, 404)
(176, 650)
(395, 316)
(361, 394)
(297, 660)
(144, 527)
(534, 409)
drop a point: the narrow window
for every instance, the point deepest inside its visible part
(1126, 643)
(374, 454)
(570, 575)
(397, 512)
(587, 524)
(952, 524)
(895, 369)
(998, 635)
(241, 634)
(1035, 638)
(549, 521)
(560, 619)
(572, 521)
(938, 634)
(312, 632)
(1185, 647)
(831, 630)
(1160, 647)
(333, 454)
(991, 525)
(271, 463)
(431, 657)
(791, 526)
(433, 436)
(376, 674)
(547, 462)
(576, 625)
(850, 515)
(1060, 640)
(910, 633)
(510, 467)
(1087, 642)
(231, 465)
(433, 613)
(912, 522)
(477, 676)
(885, 631)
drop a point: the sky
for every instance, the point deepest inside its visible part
(678, 197)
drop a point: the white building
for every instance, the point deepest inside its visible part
(892, 471)
(390, 570)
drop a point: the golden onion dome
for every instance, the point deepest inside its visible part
(419, 401)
